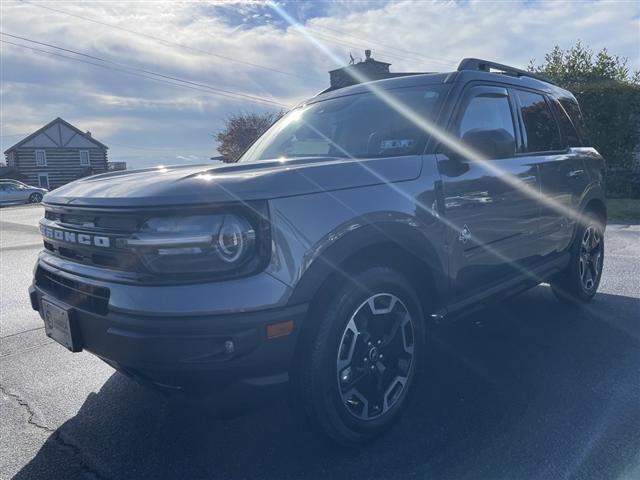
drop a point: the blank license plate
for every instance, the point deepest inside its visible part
(58, 325)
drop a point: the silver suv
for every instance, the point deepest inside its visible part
(319, 259)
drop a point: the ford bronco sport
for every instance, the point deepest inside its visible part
(320, 256)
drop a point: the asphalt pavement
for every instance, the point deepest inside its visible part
(529, 389)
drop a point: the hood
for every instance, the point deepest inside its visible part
(202, 184)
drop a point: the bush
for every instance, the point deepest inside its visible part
(611, 109)
(623, 184)
(609, 96)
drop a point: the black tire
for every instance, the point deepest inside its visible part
(35, 198)
(579, 282)
(317, 390)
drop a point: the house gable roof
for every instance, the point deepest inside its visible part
(58, 133)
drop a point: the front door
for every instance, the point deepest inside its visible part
(490, 203)
(43, 180)
(7, 193)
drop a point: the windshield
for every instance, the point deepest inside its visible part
(360, 125)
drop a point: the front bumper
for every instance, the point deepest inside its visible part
(177, 351)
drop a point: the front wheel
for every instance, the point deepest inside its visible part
(35, 198)
(579, 282)
(358, 364)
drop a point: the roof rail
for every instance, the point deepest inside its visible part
(487, 66)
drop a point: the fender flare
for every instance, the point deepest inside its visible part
(406, 237)
(594, 191)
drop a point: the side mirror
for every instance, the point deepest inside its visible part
(492, 144)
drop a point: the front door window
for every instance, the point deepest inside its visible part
(487, 112)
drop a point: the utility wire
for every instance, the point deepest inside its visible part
(385, 53)
(328, 38)
(146, 73)
(380, 54)
(158, 78)
(366, 44)
(412, 53)
(168, 42)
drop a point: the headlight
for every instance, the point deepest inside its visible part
(215, 243)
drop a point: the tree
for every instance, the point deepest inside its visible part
(609, 96)
(241, 130)
(579, 65)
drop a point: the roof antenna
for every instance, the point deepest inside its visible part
(351, 59)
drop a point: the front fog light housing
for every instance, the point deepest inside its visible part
(195, 244)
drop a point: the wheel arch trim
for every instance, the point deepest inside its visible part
(350, 245)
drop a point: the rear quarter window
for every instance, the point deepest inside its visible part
(569, 131)
(572, 109)
(540, 126)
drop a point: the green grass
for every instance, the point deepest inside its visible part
(623, 209)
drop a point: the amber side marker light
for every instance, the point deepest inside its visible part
(279, 329)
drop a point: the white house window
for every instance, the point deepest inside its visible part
(84, 158)
(41, 158)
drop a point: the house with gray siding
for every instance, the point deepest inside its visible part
(56, 154)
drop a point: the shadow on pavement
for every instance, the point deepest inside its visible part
(529, 389)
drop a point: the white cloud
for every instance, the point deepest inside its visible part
(138, 113)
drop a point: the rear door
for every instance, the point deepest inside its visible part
(547, 137)
(490, 212)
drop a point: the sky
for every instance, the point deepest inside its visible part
(155, 81)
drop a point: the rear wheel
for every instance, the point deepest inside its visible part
(358, 364)
(579, 282)
(35, 198)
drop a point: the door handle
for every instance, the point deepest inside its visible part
(575, 173)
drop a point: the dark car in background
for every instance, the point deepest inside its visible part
(322, 256)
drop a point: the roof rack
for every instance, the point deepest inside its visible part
(487, 66)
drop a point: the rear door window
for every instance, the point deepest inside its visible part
(541, 130)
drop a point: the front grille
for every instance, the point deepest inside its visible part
(93, 222)
(77, 294)
(111, 259)
(97, 220)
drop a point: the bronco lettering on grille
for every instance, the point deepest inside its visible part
(75, 237)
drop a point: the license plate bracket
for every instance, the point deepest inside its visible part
(59, 324)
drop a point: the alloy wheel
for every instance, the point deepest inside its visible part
(590, 261)
(376, 356)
